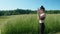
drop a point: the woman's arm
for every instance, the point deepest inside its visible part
(42, 16)
(38, 13)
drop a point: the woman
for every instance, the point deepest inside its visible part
(41, 14)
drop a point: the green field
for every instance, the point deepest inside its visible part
(28, 24)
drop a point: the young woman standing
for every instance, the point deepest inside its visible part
(41, 14)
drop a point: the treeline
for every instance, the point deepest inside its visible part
(20, 11)
(53, 11)
(16, 12)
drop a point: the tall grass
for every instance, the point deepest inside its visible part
(52, 23)
(20, 24)
(28, 24)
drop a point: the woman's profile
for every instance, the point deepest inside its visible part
(41, 14)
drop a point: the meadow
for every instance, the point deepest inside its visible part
(28, 24)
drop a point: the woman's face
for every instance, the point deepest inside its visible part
(41, 11)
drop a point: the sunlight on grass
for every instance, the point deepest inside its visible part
(28, 24)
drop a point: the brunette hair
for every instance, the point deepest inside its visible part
(42, 8)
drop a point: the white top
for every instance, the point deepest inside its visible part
(41, 21)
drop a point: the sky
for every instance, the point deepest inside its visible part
(29, 4)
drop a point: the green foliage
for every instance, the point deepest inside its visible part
(52, 23)
(28, 24)
(16, 12)
(21, 24)
(52, 11)
(21, 11)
